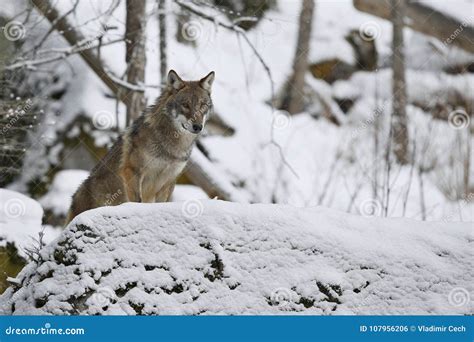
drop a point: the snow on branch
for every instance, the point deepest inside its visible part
(60, 53)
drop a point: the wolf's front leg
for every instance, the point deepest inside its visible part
(132, 181)
(164, 195)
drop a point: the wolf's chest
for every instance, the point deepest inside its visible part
(165, 169)
(159, 174)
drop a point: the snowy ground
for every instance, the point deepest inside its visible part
(65, 183)
(213, 257)
(20, 221)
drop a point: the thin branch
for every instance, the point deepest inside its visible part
(53, 26)
(328, 182)
(62, 53)
(74, 37)
(242, 33)
(238, 30)
(412, 168)
(125, 84)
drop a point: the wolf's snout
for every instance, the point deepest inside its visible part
(197, 128)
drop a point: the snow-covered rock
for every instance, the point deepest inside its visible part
(20, 221)
(213, 257)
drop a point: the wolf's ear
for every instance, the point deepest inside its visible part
(174, 81)
(206, 82)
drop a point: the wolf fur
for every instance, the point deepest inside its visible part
(146, 160)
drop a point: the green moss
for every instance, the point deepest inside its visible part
(10, 264)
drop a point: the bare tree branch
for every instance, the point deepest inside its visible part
(426, 20)
(53, 26)
(61, 53)
(74, 37)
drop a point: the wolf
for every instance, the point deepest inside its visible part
(146, 160)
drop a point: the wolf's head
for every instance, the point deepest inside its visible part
(190, 103)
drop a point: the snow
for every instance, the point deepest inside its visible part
(422, 86)
(20, 221)
(213, 257)
(463, 11)
(59, 197)
(188, 192)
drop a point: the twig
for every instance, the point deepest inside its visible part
(412, 168)
(53, 26)
(422, 193)
(330, 177)
(34, 251)
(355, 193)
(240, 31)
(62, 54)
(125, 84)
(388, 167)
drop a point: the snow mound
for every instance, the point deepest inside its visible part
(59, 197)
(213, 257)
(20, 221)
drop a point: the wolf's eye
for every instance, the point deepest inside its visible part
(184, 107)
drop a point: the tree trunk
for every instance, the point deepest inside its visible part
(399, 95)
(162, 29)
(300, 62)
(135, 32)
(427, 20)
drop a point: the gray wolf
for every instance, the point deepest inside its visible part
(146, 160)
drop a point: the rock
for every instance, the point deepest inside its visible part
(214, 257)
(332, 70)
